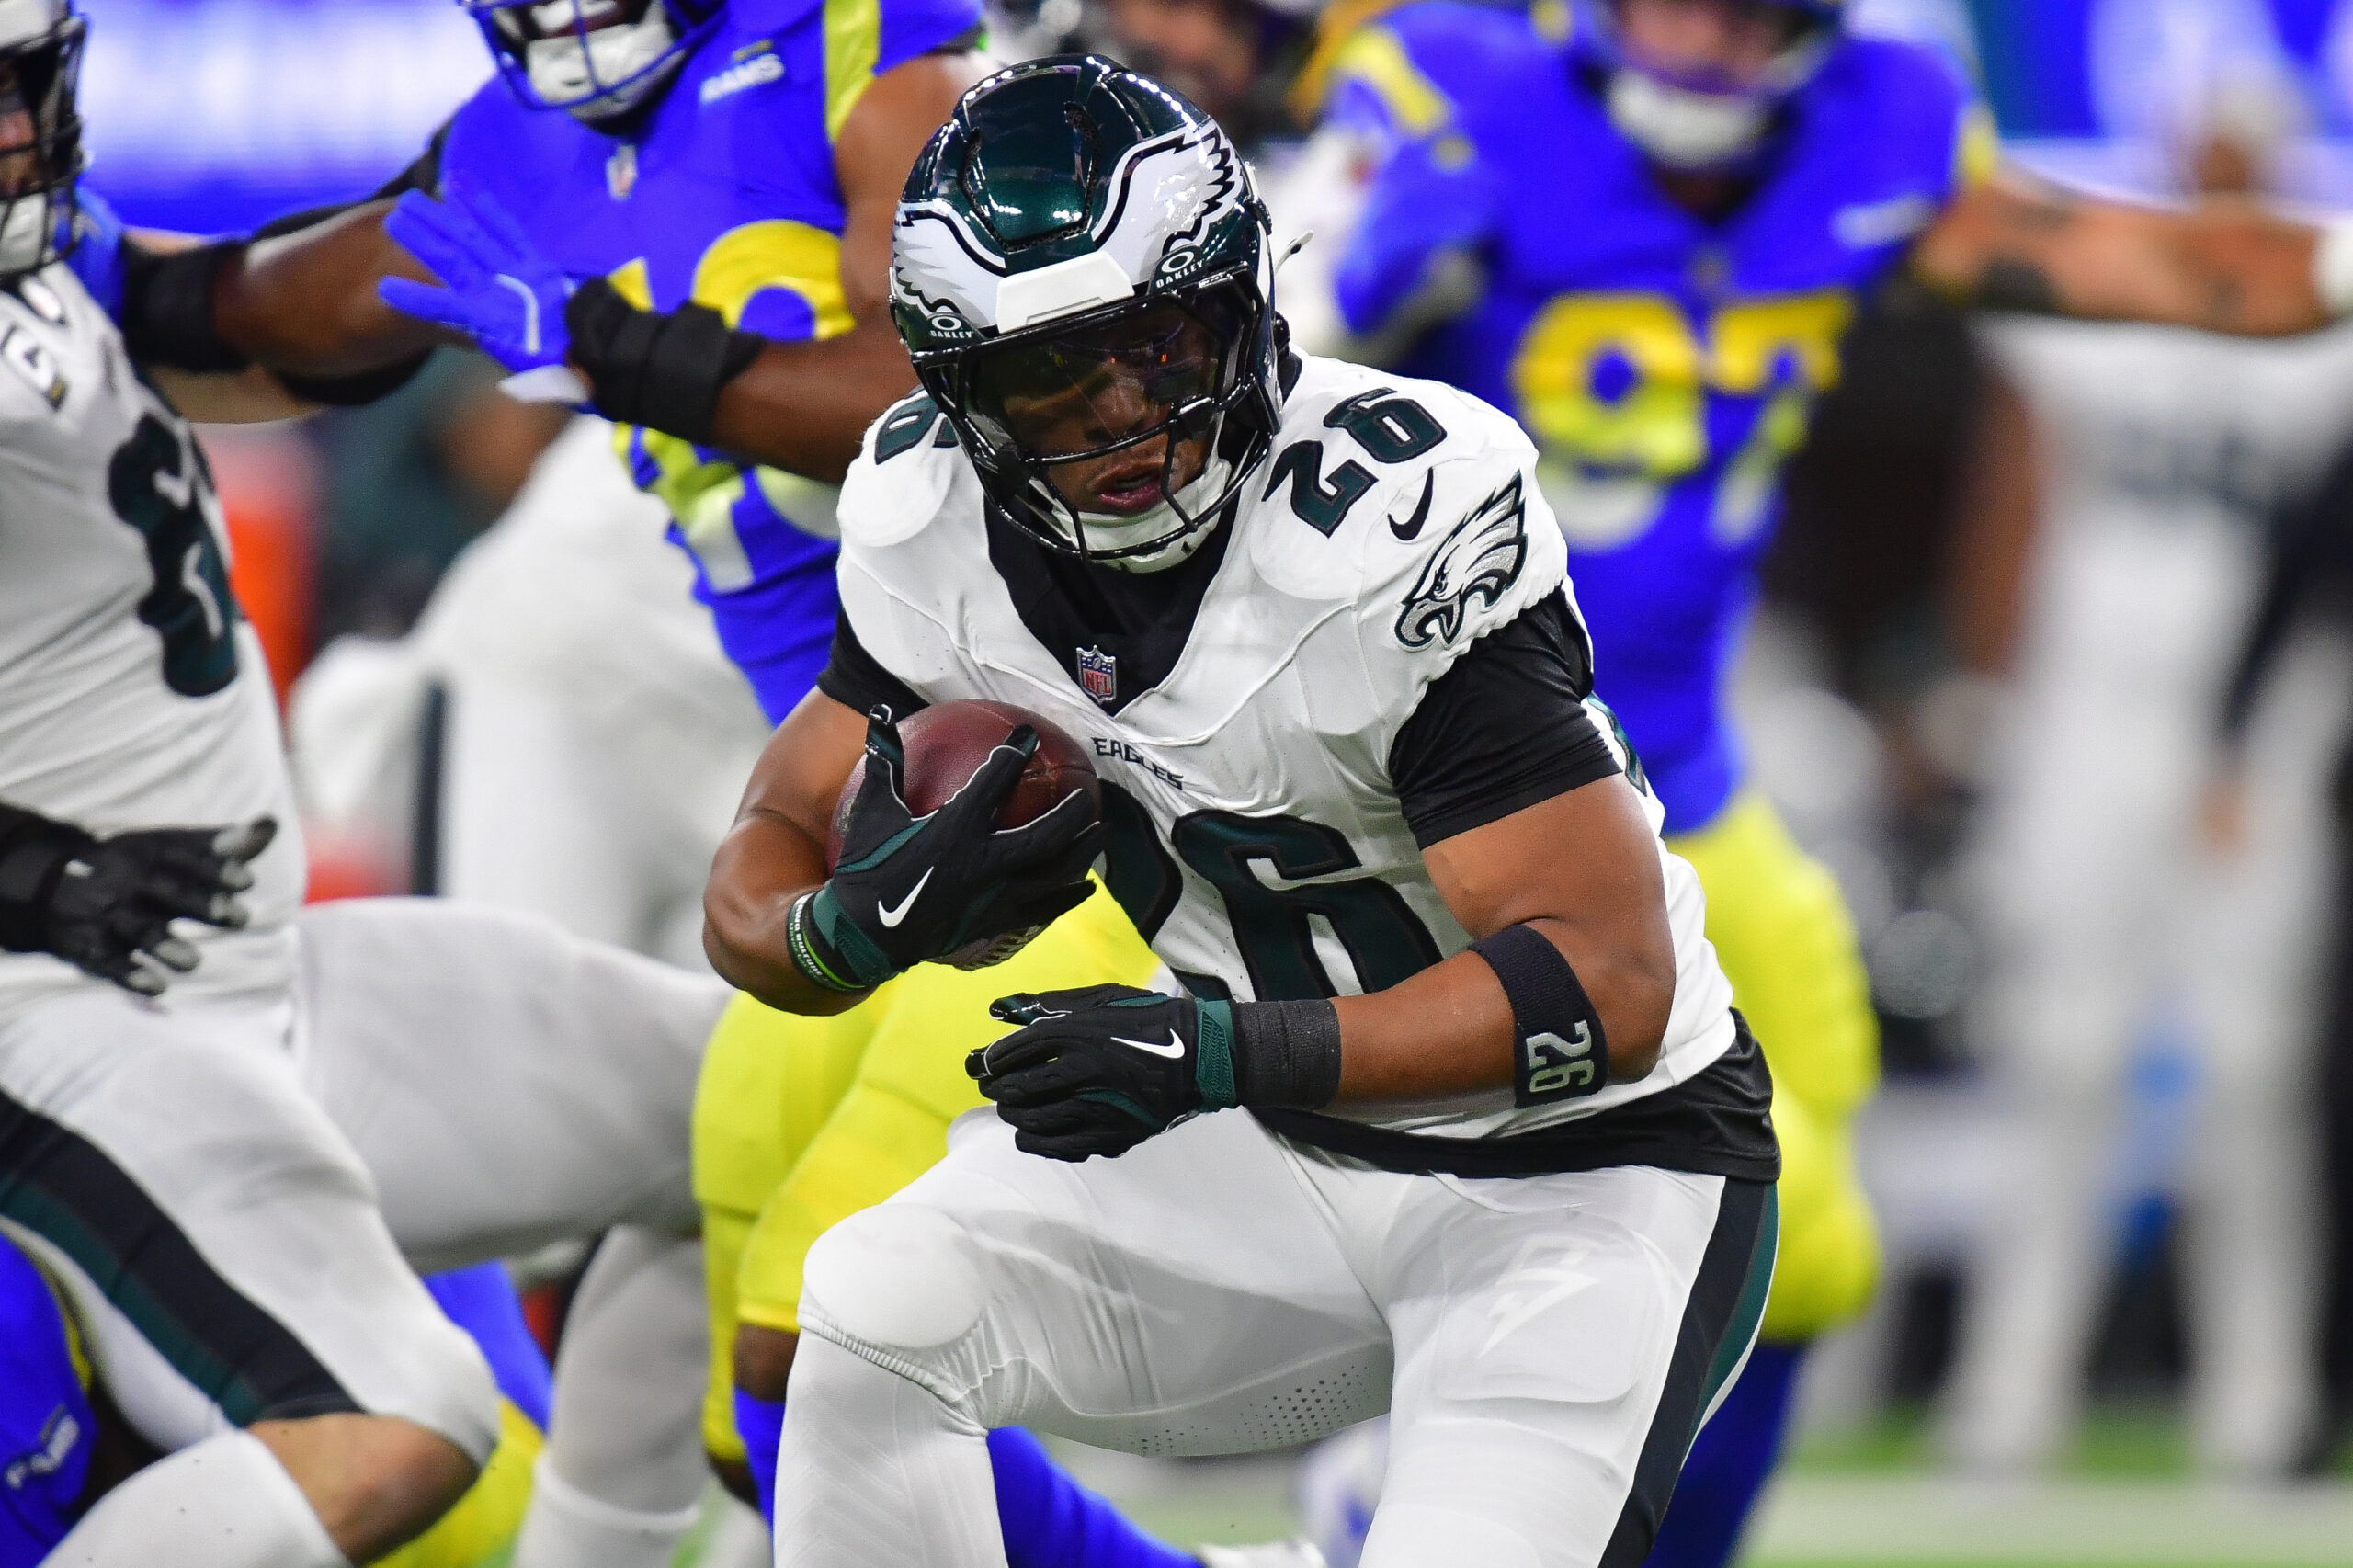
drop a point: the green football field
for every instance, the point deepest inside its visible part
(1875, 1501)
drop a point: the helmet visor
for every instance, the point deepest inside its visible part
(1102, 385)
(522, 22)
(1732, 46)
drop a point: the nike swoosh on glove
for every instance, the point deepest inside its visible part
(106, 906)
(1098, 1070)
(495, 286)
(910, 890)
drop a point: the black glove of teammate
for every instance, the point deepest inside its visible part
(1098, 1070)
(910, 888)
(106, 906)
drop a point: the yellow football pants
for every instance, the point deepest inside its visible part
(800, 1123)
(1782, 933)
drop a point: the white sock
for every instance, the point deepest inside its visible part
(225, 1503)
(568, 1529)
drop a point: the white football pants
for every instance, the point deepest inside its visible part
(1548, 1344)
(2102, 902)
(599, 739)
(509, 1084)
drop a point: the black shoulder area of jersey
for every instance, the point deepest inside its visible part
(855, 678)
(1503, 729)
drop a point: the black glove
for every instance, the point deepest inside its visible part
(910, 890)
(106, 906)
(1098, 1070)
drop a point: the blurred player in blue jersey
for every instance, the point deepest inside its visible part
(1644, 226)
(679, 212)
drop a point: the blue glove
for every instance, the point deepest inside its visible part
(498, 288)
(93, 249)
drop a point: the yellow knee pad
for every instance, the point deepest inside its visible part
(1782, 933)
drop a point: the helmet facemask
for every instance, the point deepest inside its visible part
(41, 155)
(597, 59)
(1118, 435)
(1702, 122)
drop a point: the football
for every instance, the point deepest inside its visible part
(947, 742)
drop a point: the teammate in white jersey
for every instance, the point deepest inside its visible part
(492, 1081)
(158, 1155)
(1315, 625)
(2163, 453)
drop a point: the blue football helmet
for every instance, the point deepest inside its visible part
(41, 58)
(596, 60)
(1702, 122)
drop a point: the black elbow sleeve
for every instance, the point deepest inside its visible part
(664, 369)
(167, 308)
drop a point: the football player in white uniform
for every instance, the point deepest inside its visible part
(163, 1010)
(1497, 1153)
(2162, 455)
(160, 1157)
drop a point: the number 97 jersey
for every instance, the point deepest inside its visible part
(133, 693)
(1665, 365)
(1270, 726)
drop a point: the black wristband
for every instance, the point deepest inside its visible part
(1560, 1051)
(664, 369)
(167, 308)
(359, 387)
(34, 852)
(1286, 1054)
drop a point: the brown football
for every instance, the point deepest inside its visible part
(946, 744)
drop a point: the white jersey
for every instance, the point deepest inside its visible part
(1257, 835)
(133, 693)
(2162, 452)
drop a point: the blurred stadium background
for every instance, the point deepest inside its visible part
(1871, 691)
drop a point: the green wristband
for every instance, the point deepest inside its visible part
(806, 957)
(1214, 1055)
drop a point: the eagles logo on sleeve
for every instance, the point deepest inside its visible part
(1479, 560)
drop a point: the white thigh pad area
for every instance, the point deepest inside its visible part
(897, 1277)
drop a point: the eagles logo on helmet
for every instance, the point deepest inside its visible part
(1081, 272)
(40, 133)
(597, 59)
(1703, 120)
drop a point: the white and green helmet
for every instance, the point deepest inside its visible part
(1075, 226)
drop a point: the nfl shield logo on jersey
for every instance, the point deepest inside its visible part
(1098, 674)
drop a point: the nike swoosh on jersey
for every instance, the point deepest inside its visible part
(1173, 1050)
(892, 916)
(1406, 531)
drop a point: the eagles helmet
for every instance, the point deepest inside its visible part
(597, 59)
(40, 131)
(1083, 274)
(1702, 122)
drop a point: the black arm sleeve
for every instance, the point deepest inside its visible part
(855, 678)
(2311, 547)
(1505, 728)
